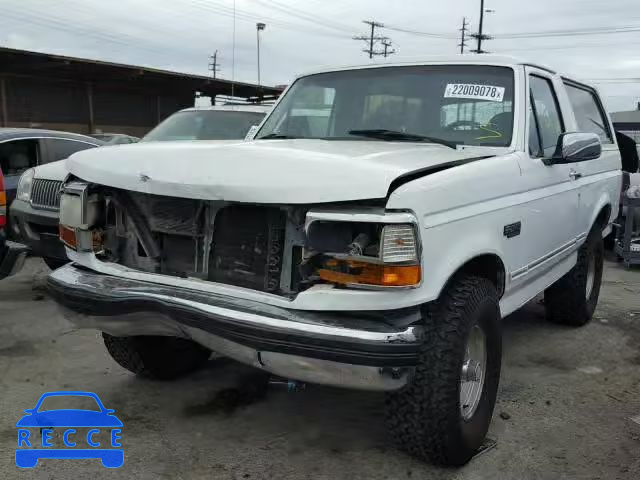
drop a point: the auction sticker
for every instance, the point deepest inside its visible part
(477, 92)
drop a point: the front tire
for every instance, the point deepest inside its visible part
(573, 299)
(156, 357)
(435, 417)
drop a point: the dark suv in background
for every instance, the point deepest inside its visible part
(20, 150)
(24, 148)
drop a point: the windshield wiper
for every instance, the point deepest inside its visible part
(391, 135)
(275, 136)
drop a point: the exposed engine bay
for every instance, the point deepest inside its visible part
(269, 248)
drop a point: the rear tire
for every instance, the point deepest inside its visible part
(159, 358)
(573, 299)
(425, 417)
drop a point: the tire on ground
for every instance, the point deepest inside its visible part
(566, 301)
(156, 357)
(425, 418)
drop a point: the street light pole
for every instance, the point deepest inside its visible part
(259, 26)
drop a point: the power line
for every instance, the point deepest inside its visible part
(569, 33)
(463, 32)
(60, 25)
(569, 47)
(302, 15)
(220, 9)
(420, 33)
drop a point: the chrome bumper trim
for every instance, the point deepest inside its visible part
(328, 347)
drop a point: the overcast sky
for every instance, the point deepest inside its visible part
(300, 35)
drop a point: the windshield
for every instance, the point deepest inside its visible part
(460, 104)
(204, 125)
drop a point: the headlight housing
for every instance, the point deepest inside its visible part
(79, 210)
(24, 185)
(366, 254)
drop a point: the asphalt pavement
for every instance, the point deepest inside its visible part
(569, 403)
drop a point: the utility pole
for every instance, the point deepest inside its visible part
(214, 66)
(480, 36)
(371, 38)
(387, 43)
(463, 35)
(259, 27)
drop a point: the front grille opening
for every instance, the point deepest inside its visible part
(234, 244)
(248, 245)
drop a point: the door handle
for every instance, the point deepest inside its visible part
(573, 175)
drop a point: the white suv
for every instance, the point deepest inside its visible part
(372, 235)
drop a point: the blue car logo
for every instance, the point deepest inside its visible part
(42, 421)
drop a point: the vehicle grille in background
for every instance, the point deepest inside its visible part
(46, 194)
(248, 243)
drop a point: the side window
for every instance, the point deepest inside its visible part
(61, 149)
(588, 112)
(18, 155)
(546, 113)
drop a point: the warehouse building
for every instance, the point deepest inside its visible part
(39, 90)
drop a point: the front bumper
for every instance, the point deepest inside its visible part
(38, 229)
(12, 257)
(374, 351)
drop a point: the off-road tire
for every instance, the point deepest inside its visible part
(424, 417)
(565, 301)
(54, 263)
(155, 357)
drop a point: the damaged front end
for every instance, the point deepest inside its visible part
(231, 277)
(275, 249)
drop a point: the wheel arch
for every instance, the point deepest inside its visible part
(486, 265)
(601, 216)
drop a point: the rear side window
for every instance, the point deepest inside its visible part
(588, 112)
(18, 155)
(545, 121)
(61, 149)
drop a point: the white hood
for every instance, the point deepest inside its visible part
(262, 171)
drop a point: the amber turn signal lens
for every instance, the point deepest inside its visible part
(364, 273)
(68, 236)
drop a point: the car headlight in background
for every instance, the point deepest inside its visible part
(24, 185)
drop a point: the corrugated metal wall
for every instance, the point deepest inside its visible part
(65, 105)
(39, 100)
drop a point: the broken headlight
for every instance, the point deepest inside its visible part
(365, 253)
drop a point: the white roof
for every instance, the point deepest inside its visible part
(233, 108)
(467, 59)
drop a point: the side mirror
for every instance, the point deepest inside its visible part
(29, 410)
(575, 147)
